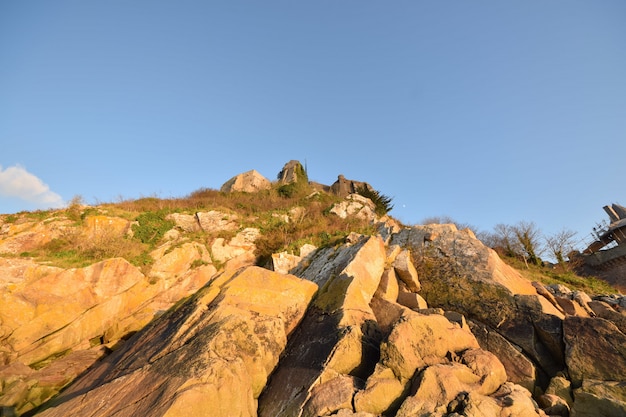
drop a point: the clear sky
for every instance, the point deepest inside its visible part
(485, 111)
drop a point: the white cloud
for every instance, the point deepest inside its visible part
(18, 183)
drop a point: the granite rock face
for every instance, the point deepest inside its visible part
(421, 320)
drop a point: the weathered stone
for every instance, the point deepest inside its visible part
(388, 287)
(438, 385)
(27, 236)
(62, 309)
(283, 262)
(412, 300)
(600, 399)
(173, 262)
(554, 405)
(605, 311)
(462, 274)
(544, 292)
(561, 387)
(594, 349)
(292, 172)
(215, 351)
(383, 392)
(406, 271)
(186, 222)
(248, 182)
(571, 308)
(519, 368)
(105, 226)
(419, 340)
(330, 396)
(215, 221)
(242, 245)
(357, 206)
(338, 335)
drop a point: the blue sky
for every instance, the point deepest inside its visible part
(485, 111)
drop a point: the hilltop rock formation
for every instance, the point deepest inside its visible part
(249, 182)
(408, 321)
(293, 171)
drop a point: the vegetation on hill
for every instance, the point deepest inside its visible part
(288, 216)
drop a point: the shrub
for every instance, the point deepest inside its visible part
(151, 227)
(381, 201)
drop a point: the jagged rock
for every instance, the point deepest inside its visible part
(554, 405)
(284, 262)
(600, 399)
(510, 400)
(440, 385)
(186, 222)
(60, 309)
(99, 226)
(406, 271)
(570, 307)
(238, 251)
(415, 342)
(16, 238)
(216, 221)
(594, 349)
(388, 288)
(330, 396)
(290, 172)
(339, 333)
(605, 311)
(214, 352)
(412, 300)
(519, 368)
(47, 312)
(562, 388)
(355, 205)
(544, 292)
(25, 388)
(173, 262)
(462, 274)
(249, 182)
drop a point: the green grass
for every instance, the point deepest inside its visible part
(556, 275)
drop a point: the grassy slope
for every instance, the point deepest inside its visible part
(313, 225)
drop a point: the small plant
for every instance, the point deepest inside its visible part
(74, 210)
(11, 218)
(151, 227)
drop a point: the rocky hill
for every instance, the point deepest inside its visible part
(208, 310)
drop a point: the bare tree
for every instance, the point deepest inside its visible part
(560, 244)
(503, 238)
(529, 239)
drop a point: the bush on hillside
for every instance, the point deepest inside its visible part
(381, 201)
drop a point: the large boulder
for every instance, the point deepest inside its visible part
(213, 352)
(594, 349)
(47, 313)
(458, 272)
(249, 182)
(355, 205)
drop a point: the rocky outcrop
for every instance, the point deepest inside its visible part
(355, 205)
(248, 182)
(421, 320)
(213, 352)
(293, 171)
